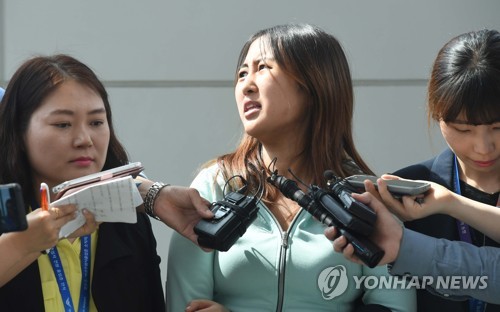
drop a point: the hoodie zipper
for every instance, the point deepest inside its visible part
(281, 270)
(282, 258)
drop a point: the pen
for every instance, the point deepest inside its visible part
(44, 203)
(44, 196)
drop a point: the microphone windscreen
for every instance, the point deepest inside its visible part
(328, 174)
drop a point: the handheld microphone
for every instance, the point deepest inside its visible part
(343, 192)
(328, 213)
(290, 189)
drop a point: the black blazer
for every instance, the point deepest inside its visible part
(440, 170)
(126, 275)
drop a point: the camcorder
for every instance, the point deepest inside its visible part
(232, 216)
(336, 207)
(12, 211)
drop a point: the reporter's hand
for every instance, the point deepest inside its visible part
(44, 226)
(370, 188)
(88, 228)
(340, 245)
(182, 208)
(205, 306)
(436, 200)
(387, 234)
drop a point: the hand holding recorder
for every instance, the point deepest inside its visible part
(396, 186)
(440, 200)
(387, 233)
(231, 218)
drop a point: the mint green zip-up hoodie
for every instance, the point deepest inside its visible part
(268, 269)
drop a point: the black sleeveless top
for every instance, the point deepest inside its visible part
(471, 192)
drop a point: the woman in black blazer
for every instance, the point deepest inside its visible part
(464, 98)
(56, 125)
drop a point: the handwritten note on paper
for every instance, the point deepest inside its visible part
(109, 201)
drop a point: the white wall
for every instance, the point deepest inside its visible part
(168, 66)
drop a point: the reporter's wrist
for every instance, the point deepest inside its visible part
(151, 196)
(18, 244)
(399, 242)
(452, 205)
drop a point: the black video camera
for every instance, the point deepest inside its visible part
(329, 211)
(12, 211)
(232, 216)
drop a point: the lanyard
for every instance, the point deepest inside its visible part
(475, 305)
(55, 260)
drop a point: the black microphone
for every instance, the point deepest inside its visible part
(327, 213)
(343, 192)
(290, 189)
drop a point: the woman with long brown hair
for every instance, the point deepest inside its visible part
(295, 99)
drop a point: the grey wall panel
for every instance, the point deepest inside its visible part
(2, 44)
(174, 131)
(199, 40)
(390, 127)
